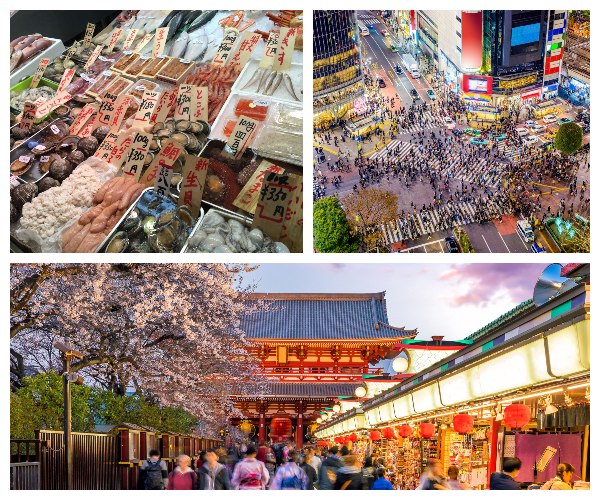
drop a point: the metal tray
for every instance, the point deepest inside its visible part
(102, 247)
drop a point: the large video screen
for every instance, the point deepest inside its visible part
(522, 35)
(478, 85)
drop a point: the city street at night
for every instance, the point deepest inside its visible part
(479, 167)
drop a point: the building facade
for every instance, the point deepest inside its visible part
(316, 350)
(337, 72)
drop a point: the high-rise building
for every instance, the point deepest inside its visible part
(337, 73)
(493, 56)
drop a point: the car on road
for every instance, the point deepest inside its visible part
(414, 93)
(431, 94)
(398, 69)
(549, 118)
(537, 248)
(384, 32)
(522, 131)
(546, 145)
(381, 83)
(524, 230)
(472, 131)
(537, 129)
(530, 123)
(530, 140)
(501, 137)
(564, 120)
(478, 142)
(371, 27)
(452, 245)
(458, 132)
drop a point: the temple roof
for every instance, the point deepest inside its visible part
(322, 317)
(307, 389)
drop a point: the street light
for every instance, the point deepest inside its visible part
(68, 377)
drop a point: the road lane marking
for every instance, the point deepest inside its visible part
(422, 245)
(486, 244)
(504, 243)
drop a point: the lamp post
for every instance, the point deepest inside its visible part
(68, 355)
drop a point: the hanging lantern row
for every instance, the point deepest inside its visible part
(463, 423)
(426, 430)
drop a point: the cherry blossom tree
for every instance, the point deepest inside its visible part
(172, 331)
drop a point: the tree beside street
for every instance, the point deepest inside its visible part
(568, 138)
(367, 209)
(331, 229)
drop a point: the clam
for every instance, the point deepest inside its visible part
(181, 138)
(162, 240)
(22, 194)
(88, 145)
(158, 126)
(118, 243)
(175, 179)
(21, 165)
(164, 133)
(165, 218)
(183, 125)
(196, 128)
(132, 225)
(170, 126)
(154, 145)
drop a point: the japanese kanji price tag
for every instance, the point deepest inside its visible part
(224, 49)
(69, 53)
(285, 50)
(143, 42)
(160, 170)
(160, 41)
(28, 117)
(134, 160)
(192, 185)
(240, 137)
(37, 76)
(118, 152)
(199, 104)
(87, 112)
(270, 50)
(244, 50)
(292, 228)
(146, 109)
(248, 196)
(53, 103)
(184, 100)
(273, 199)
(89, 33)
(166, 105)
(103, 151)
(131, 34)
(121, 105)
(114, 38)
(66, 79)
(93, 56)
(106, 110)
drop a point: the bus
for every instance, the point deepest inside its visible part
(525, 232)
(364, 31)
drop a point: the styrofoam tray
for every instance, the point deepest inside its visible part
(28, 69)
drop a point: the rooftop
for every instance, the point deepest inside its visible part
(322, 317)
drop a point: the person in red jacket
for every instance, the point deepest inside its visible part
(183, 476)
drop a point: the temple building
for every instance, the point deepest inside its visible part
(317, 352)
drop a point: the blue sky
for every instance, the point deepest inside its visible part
(438, 299)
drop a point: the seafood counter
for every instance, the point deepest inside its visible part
(166, 132)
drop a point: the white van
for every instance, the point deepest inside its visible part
(364, 31)
(525, 231)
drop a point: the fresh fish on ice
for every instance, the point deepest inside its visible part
(180, 45)
(195, 48)
(203, 19)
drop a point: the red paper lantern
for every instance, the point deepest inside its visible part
(353, 437)
(388, 433)
(375, 436)
(405, 430)
(463, 423)
(517, 416)
(427, 430)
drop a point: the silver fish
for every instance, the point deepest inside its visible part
(275, 83)
(287, 81)
(180, 45)
(265, 80)
(202, 19)
(195, 48)
(256, 77)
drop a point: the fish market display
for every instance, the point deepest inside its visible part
(111, 201)
(143, 139)
(24, 48)
(220, 233)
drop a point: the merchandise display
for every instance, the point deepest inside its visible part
(124, 141)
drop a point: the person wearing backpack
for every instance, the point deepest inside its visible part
(289, 476)
(153, 473)
(350, 476)
(250, 474)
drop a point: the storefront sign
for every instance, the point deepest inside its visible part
(192, 185)
(517, 83)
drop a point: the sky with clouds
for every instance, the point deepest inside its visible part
(453, 300)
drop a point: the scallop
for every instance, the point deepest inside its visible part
(183, 125)
(185, 215)
(164, 133)
(164, 218)
(181, 138)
